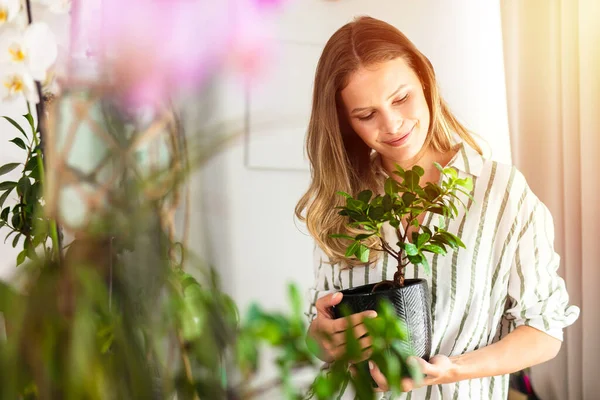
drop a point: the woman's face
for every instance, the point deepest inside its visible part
(386, 107)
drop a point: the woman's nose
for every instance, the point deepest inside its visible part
(391, 123)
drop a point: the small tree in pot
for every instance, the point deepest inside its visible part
(404, 201)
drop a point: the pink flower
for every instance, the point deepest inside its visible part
(152, 48)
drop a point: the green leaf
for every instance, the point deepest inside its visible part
(29, 119)
(411, 180)
(4, 197)
(4, 214)
(19, 142)
(422, 238)
(466, 183)
(363, 253)
(395, 223)
(418, 170)
(387, 203)
(434, 248)
(365, 196)
(346, 195)
(352, 249)
(5, 169)
(31, 164)
(376, 213)
(16, 125)
(23, 186)
(408, 198)
(21, 257)
(363, 236)
(391, 187)
(410, 248)
(355, 205)
(426, 265)
(451, 172)
(16, 240)
(8, 185)
(439, 167)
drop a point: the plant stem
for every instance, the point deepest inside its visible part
(56, 245)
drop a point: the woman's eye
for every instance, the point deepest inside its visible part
(366, 117)
(402, 100)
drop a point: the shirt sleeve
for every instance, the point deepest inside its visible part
(537, 294)
(323, 283)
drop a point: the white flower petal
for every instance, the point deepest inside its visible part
(10, 40)
(9, 9)
(15, 82)
(40, 45)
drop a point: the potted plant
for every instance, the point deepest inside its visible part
(404, 202)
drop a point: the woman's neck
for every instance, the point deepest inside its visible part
(425, 160)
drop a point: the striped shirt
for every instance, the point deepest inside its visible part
(506, 277)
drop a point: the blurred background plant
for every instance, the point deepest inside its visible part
(126, 309)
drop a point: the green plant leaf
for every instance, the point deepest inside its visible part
(418, 170)
(376, 213)
(451, 172)
(410, 249)
(23, 186)
(426, 265)
(16, 125)
(21, 257)
(16, 240)
(434, 248)
(363, 236)
(31, 164)
(19, 142)
(411, 180)
(29, 119)
(8, 185)
(408, 198)
(365, 196)
(363, 253)
(395, 223)
(5, 169)
(346, 195)
(391, 187)
(4, 214)
(4, 197)
(422, 238)
(352, 249)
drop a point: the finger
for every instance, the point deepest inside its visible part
(367, 351)
(353, 320)
(378, 378)
(407, 384)
(425, 367)
(360, 330)
(353, 371)
(327, 301)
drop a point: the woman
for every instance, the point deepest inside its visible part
(498, 306)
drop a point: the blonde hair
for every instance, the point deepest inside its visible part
(339, 159)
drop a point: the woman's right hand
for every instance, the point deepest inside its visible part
(330, 333)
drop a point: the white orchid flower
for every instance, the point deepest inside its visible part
(9, 9)
(15, 82)
(55, 6)
(33, 48)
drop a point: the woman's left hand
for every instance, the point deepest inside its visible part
(440, 369)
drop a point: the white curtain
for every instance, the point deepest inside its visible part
(552, 60)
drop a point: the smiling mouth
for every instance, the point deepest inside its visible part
(401, 138)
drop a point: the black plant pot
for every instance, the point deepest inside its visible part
(411, 303)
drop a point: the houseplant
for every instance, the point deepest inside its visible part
(404, 202)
